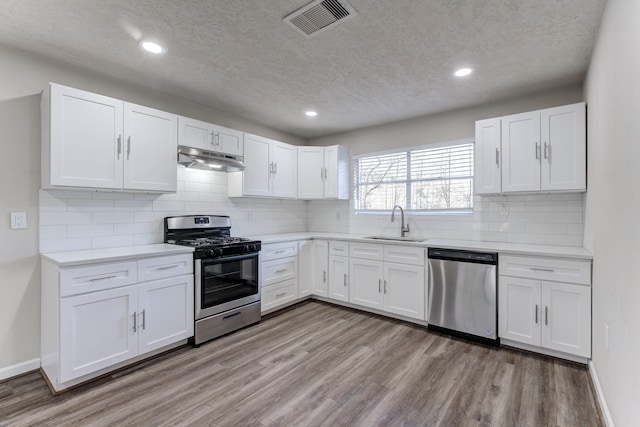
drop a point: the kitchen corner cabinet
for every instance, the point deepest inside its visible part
(546, 303)
(389, 278)
(101, 316)
(270, 170)
(320, 280)
(96, 142)
(538, 151)
(207, 136)
(323, 172)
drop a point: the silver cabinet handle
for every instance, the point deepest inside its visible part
(338, 249)
(167, 267)
(281, 271)
(325, 173)
(324, 275)
(128, 146)
(536, 314)
(279, 252)
(119, 145)
(385, 286)
(321, 174)
(281, 295)
(379, 285)
(548, 270)
(546, 150)
(546, 315)
(497, 158)
(345, 279)
(144, 320)
(275, 167)
(218, 139)
(97, 279)
(537, 151)
(135, 322)
(271, 167)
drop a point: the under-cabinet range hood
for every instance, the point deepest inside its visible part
(198, 158)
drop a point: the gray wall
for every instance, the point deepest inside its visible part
(22, 77)
(612, 224)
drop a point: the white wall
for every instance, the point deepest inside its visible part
(612, 213)
(22, 77)
(555, 219)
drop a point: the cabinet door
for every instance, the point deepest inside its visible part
(521, 152)
(519, 310)
(404, 290)
(311, 172)
(487, 157)
(365, 283)
(97, 330)
(86, 139)
(195, 133)
(305, 268)
(165, 313)
(566, 318)
(336, 163)
(151, 145)
(285, 171)
(320, 268)
(257, 161)
(564, 148)
(339, 278)
(228, 140)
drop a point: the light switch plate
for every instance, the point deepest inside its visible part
(504, 210)
(18, 220)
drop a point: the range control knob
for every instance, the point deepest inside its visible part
(252, 247)
(245, 248)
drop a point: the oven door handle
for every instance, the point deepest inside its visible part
(209, 261)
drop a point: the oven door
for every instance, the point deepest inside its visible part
(225, 283)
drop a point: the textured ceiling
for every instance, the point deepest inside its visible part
(392, 61)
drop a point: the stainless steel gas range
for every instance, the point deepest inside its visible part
(227, 289)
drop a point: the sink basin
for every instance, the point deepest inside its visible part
(397, 239)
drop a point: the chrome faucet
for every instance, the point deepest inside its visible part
(403, 229)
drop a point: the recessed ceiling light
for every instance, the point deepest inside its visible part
(152, 47)
(311, 113)
(462, 72)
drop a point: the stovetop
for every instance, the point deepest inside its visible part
(205, 242)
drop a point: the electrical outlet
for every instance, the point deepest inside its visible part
(18, 220)
(504, 210)
(607, 338)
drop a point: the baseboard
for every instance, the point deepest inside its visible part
(600, 394)
(19, 369)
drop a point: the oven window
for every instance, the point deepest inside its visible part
(230, 279)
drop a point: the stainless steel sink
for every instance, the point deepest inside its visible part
(397, 239)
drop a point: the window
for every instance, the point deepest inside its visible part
(437, 178)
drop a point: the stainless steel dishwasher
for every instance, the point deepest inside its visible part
(463, 293)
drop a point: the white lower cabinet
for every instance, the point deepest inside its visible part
(305, 268)
(320, 269)
(544, 313)
(339, 278)
(388, 286)
(90, 328)
(279, 275)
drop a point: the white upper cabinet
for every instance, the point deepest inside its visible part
(323, 172)
(199, 134)
(150, 152)
(487, 154)
(564, 148)
(93, 141)
(270, 169)
(537, 151)
(521, 152)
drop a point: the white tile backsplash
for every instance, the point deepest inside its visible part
(80, 220)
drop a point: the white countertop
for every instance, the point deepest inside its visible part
(500, 247)
(64, 259)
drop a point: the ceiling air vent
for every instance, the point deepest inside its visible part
(320, 15)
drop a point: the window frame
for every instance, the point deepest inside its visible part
(443, 144)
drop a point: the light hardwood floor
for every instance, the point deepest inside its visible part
(320, 365)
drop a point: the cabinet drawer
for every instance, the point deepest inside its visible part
(339, 248)
(404, 255)
(366, 251)
(278, 250)
(277, 295)
(550, 269)
(97, 277)
(279, 270)
(163, 267)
